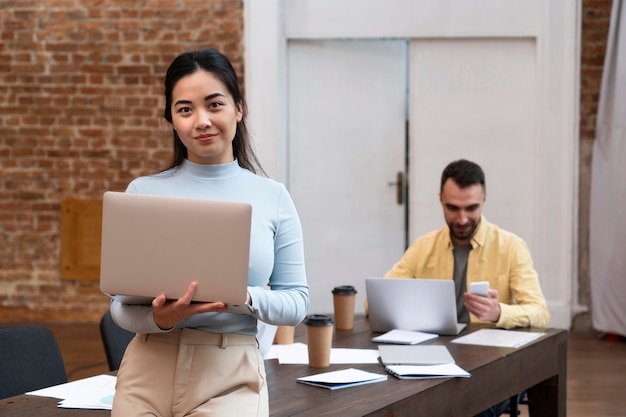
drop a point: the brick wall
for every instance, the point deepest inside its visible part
(80, 105)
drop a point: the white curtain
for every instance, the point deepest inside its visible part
(608, 187)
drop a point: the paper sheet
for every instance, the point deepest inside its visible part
(498, 337)
(95, 393)
(297, 354)
(404, 337)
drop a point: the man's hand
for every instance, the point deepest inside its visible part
(485, 308)
(168, 314)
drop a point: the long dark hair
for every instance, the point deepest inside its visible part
(217, 64)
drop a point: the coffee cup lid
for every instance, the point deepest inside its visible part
(318, 320)
(344, 290)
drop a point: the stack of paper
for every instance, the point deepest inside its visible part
(94, 393)
(342, 379)
(403, 337)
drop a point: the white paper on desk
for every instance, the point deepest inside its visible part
(346, 356)
(342, 379)
(275, 351)
(288, 353)
(95, 392)
(297, 354)
(498, 337)
(404, 337)
(104, 403)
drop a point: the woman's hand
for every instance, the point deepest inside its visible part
(168, 313)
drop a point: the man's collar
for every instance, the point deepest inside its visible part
(481, 234)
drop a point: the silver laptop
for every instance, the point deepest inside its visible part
(155, 244)
(425, 305)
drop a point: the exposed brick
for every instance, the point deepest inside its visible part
(80, 104)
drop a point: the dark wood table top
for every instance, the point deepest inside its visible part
(497, 374)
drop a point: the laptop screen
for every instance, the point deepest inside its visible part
(426, 305)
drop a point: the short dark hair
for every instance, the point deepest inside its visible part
(464, 173)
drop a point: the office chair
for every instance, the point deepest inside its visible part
(115, 339)
(30, 359)
(515, 401)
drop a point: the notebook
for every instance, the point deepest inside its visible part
(156, 244)
(414, 354)
(425, 305)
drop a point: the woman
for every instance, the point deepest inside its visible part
(196, 358)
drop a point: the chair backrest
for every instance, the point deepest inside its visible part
(115, 339)
(30, 359)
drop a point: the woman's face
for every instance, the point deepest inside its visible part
(205, 117)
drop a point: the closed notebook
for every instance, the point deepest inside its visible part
(446, 370)
(342, 379)
(414, 355)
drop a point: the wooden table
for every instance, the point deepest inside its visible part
(497, 373)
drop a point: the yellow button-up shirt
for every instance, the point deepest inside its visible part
(497, 256)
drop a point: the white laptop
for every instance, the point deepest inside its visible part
(155, 244)
(425, 305)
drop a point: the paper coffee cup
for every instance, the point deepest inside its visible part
(284, 335)
(319, 335)
(343, 301)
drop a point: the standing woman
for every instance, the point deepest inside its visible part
(196, 358)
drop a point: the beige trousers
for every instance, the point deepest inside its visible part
(189, 372)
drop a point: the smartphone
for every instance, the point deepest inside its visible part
(480, 288)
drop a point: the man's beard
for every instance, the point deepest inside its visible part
(466, 233)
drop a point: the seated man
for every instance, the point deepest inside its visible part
(470, 249)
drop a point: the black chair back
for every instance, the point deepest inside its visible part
(115, 339)
(30, 359)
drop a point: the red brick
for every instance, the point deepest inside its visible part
(80, 53)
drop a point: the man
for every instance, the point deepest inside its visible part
(470, 249)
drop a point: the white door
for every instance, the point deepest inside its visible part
(346, 148)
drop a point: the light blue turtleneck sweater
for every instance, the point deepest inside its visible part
(276, 248)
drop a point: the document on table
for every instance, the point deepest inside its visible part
(427, 371)
(298, 354)
(94, 393)
(342, 379)
(404, 337)
(498, 337)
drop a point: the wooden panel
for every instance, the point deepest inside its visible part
(81, 232)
